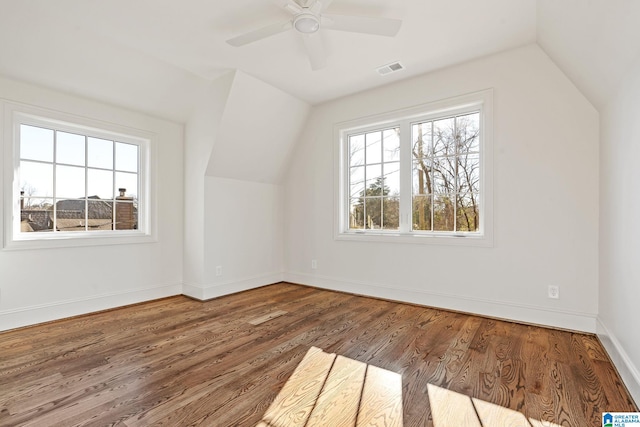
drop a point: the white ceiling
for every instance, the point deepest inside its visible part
(157, 55)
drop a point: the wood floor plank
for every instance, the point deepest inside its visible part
(179, 361)
(491, 414)
(267, 317)
(381, 402)
(451, 409)
(301, 391)
(339, 400)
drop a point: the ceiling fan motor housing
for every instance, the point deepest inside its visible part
(306, 23)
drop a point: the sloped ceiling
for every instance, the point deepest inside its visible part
(48, 43)
(594, 42)
(257, 133)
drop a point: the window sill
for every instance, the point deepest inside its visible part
(444, 239)
(70, 240)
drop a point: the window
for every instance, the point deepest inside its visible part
(421, 172)
(72, 181)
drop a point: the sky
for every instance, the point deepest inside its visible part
(84, 166)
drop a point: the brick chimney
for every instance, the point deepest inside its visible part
(125, 215)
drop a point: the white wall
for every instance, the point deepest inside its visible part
(545, 201)
(45, 284)
(243, 235)
(238, 140)
(619, 313)
(200, 134)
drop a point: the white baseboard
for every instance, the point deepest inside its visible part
(205, 292)
(577, 321)
(626, 368)
(32, 315)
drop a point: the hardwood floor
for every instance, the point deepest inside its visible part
(180, 362)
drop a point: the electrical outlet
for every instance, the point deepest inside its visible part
(554, 292)
(314, 264)
(219, 270)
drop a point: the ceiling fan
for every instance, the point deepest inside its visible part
(309, 18)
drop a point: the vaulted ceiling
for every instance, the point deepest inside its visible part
(157, 55)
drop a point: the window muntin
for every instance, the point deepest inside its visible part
(445, 177)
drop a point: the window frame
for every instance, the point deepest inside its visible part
(481, 101)
(15, 115)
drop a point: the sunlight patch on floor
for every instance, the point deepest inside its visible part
(330, 390)
(449, 408)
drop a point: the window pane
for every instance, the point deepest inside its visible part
(392, 178)
(70, 215)
(356, 181)
(374, 147)
(373, 213)
(100, 215)
(126, 157)
(421, 137)
(37, 203)
(36, 179)
(99, 184)
(444, 175)
(70, 148)
(70, 181)
(443, 210)
(36, 143)
(469, 173)
(391, 144)
(467, 212)
(422, 177)
(443, 140)
(374, 180)
(468, 128)
(70, 209)
(126, 215)
(356, 213)
(421, 213)
(36, 215)
(356, 150)
(391, 213)
(128, 182)
(100, 153)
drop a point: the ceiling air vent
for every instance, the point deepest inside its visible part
(390, 68)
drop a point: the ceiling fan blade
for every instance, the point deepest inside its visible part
(316, 7)
(260, 33)
(315, 50)
(291, 5)
(326, 3)
(361, 24)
